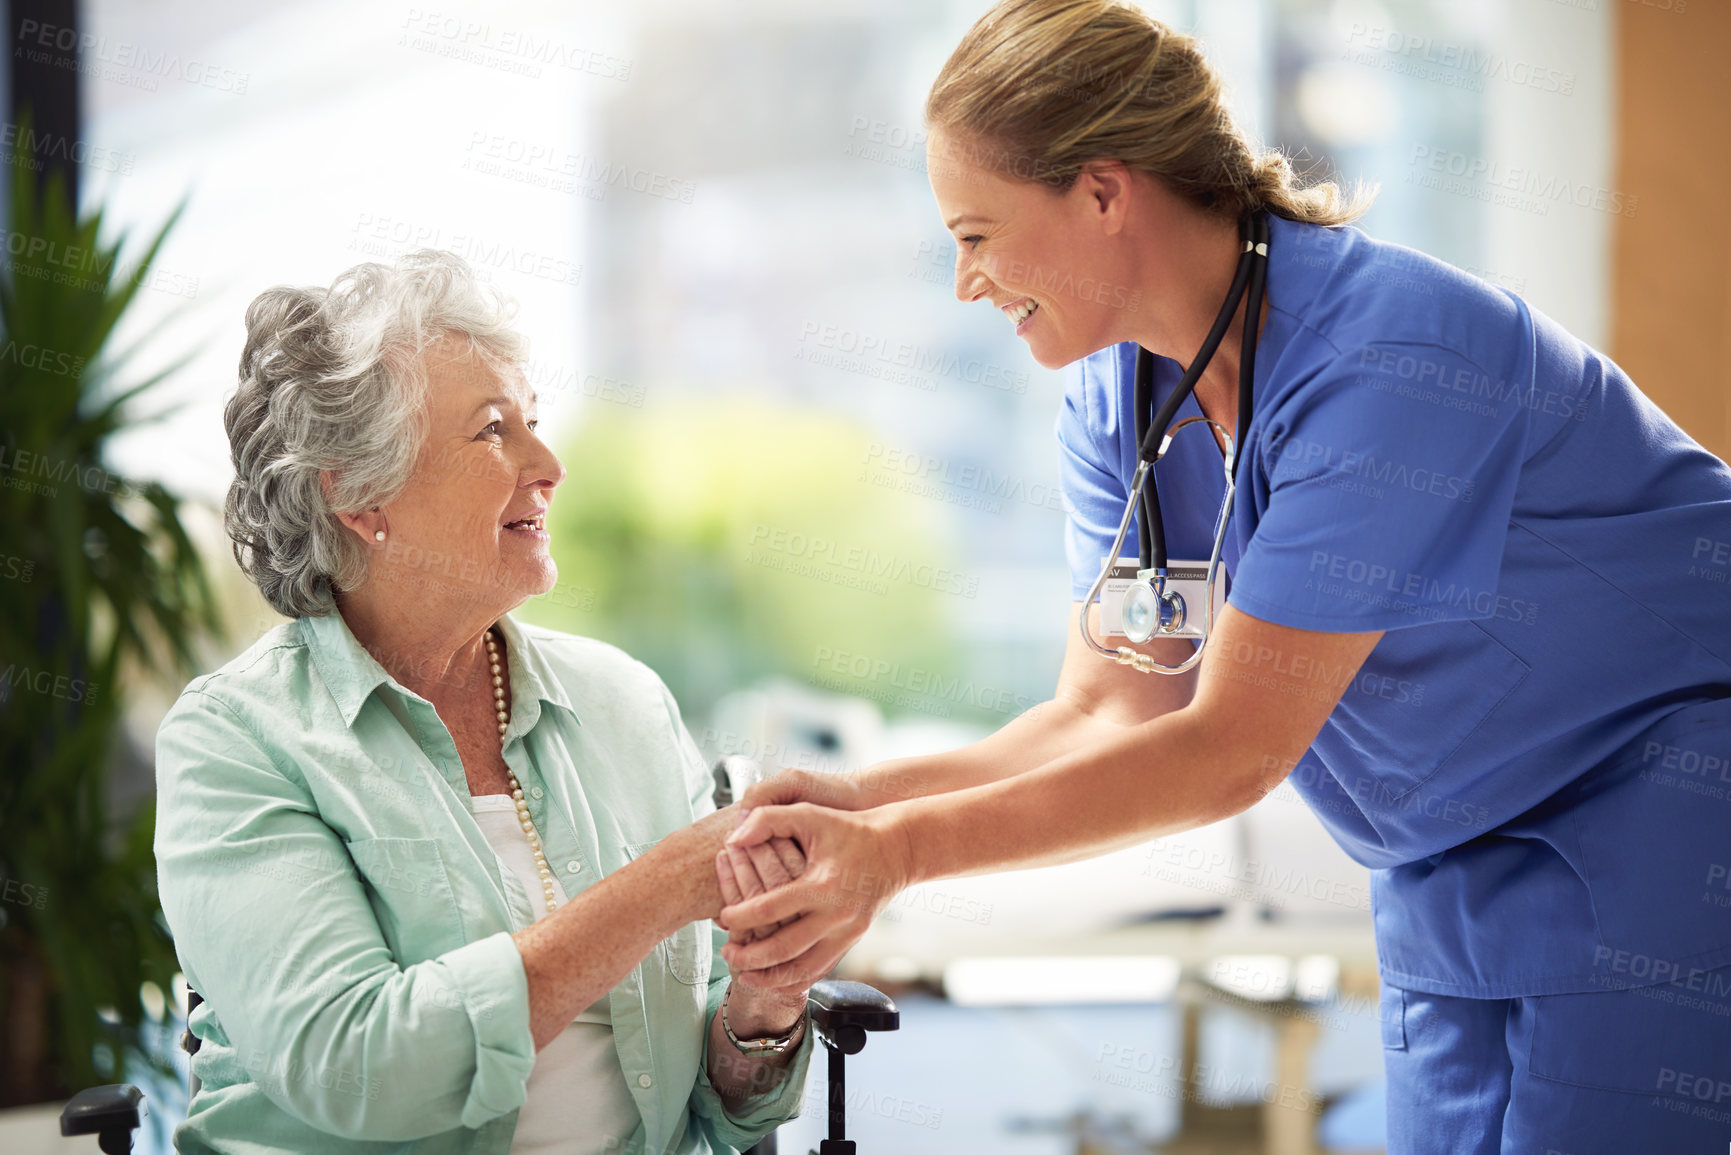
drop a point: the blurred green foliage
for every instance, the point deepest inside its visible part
(100, 580)
(725, 541)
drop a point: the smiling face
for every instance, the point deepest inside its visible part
(471, 523)
(1051, 262)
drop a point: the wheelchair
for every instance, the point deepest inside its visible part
(840, 1014)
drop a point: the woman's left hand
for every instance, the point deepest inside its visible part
(746, 872)
(856, 861)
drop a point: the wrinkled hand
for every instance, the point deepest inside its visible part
(746, 872)
(684, 859)
(856, 861)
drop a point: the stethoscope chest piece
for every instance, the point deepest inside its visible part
(1157, 603)
(1150, 608)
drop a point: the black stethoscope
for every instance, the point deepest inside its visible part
(1150, 608)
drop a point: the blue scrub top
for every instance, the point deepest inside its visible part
(1535, 759)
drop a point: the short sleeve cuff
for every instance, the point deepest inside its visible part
(1364, 622)
(489, 976)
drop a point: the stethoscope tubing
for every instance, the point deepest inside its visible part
(1250, 277)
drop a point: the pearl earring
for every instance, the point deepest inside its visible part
(378, 535)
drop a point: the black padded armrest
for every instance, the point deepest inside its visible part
(111, 1113)
(842, 1012)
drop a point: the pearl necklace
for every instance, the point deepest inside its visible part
(503, 712)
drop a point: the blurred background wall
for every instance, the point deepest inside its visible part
(717, 212)
(1671, 296)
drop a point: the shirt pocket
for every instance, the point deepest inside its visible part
(411, 896)
(1416, 699)
(688, 952)
(1391, 1009)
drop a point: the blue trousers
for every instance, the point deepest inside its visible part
(1614, 1072)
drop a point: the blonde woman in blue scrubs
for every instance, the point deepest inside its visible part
(1476, 609)
(442, 879)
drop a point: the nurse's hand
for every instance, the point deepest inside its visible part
(856, 861)
(876, 785)
(840, 791)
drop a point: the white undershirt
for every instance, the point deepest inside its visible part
(578, 1102)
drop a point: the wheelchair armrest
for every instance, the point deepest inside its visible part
(112, 1112)
(842, 1012)
(733, 773)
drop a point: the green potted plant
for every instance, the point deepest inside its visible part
(98, 578)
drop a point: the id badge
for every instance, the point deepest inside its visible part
(1187, 578)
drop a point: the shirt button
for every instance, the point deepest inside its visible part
(573, 867)
(644, 1080)
(534, 792)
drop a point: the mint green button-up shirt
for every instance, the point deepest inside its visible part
(334, 900)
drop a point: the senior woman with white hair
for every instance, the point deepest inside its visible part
(443, 879)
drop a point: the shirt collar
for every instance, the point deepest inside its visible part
(351, 674)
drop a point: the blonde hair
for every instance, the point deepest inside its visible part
(1038, 88)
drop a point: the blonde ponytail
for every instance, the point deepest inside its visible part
(1038, 88)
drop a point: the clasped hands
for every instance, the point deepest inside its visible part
(809, 866)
